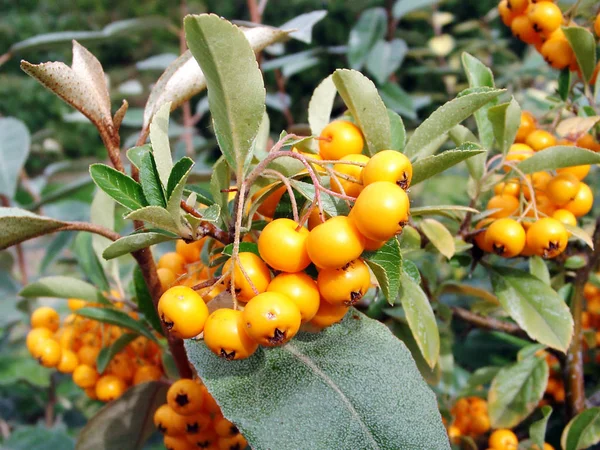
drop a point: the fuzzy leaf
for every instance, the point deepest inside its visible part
(439, 236)
(320, 106)
(180, 169)
(583, 431)
(122, 188)
(151, 182)
(584, 46)
(553, 158)
(134, 242)
(159, 137)
(505, 120)
(397, 131)
(114, 317)
(14, 149)
(386, 265)
(63, 287)
(429, 166)
(537, 430)
(18, 225)
(155, 215)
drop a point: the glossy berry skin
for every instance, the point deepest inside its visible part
(257, 271)
(557, 53)
(48, 353)
(518, 152)
(282, 245)
(166, 277)
(547, 238)
(204, 439)
(388, 165)
(168, 422)
(509, 187)
(506, 14)
(190, 252)
(562, 188)
(225, 428)
(45, 317)
(545, 17)
(328, 314)
(172, 261)
(299, 288)
(269, 204)
(196, 423)
(527, 125)
(177, 443)
(351, 188)
(75, 304)
(540, 140)
(517, 6)
(539, 182)
(503, 439)
(68, 361)
(381, 210)
(85, 376)
(182, 311)
(342, 138)
(345, 286)
(522, 28)
(109, 388)
(271, 319)
(185, 397)
(232, 443)
(334, 243)
(146, 373)
(225, 335)
(507, 205)
(566, 217)
(583, 201)
(506, 237)
(580, 172)
(597, 25)
(480, 238)
(37, 336)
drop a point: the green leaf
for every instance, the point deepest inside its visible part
(580, 233)
(38, 438)
(18, 225)
(102, 212)
(575, 262)
(398, 100)
(135, 242)
(14, 369)
(537, 430)
(150, 181)
(539, 269)
(479, 75)
(558, 157)
(386, 265)
(535, 306)
(134, 154)
(202, 195)
(370, 28)
(385, 58)
(439, 236)
(109, 352)
(219, 181)
(320, 383)
(402, 332)
(583, 431)
(122, 188)
(421, 319)
(250, 247)
(505, 120)
(564, 84)
(411, 270)
(144, 300)
(180, 170)
(516, 391)
(403, 7)
(440, 210)
(159, 137)
(124, 423)
(14, 149)
(155, 215)
(397, 131)
(303, 25)
(88, 261)
(445, 118)
(481, 377)
(584, 46)
(320, 106)
(236, 91)
(63, 287)
(114, 317)
(332, 206)
(429, 166)
(368, 110)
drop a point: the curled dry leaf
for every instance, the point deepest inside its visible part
(183, 78)
(574, 127)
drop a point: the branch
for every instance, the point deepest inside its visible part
(488, 323)
(207, 228)
(90, 228)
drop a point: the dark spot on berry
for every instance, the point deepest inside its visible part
(498, 249)
(355, 296)
(168, 325)
(552, 247)
(403, 183)
(162, 428)
(537, 28)
(233, 430)
(228, 356)
(271, 316)
(182, 399)
(203, 444)
(235, 447)
(192, 428)
(278, 337)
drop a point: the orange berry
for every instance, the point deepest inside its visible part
(282, 245)
(299, 288)
(527, 125)
(185, 397)
(547, 237)
(328, 314)
(109, 388)
(557, 53)
(506, 237)
(335, 243)
(351, 188)
(545, 17)
(340, 138)
(540, 139)
(45, 317)
(172, 261)
(503, 439)
(507, 205)
(522, 28)
(583, 201)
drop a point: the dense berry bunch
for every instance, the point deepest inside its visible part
(470, 418)
(538, 23)
(277, 290)
(74, 346)
(530, 212)
(192, 419)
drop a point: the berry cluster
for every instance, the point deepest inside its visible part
(530, 212)
(192, 419)
(470, 418)
(277, 293)
(590, 319)
(74, 347)
(538, 23)
(555, 389)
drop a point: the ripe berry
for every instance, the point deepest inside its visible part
(547, 238)
(510, 187)
(146, 373)
(225, 428)
(204, 439)
(190, 252)
(334, 243)
(342, 138)
(45, 317)
(182, 311)
(88, 354)
(172, 261)
(236, 442)
(381, 210)
(257, 271)
(185, 397)
(506, 237)
(583, 201)
(588, 141)
(351, 188)
(48, 353)
(166, 277)
(328, 314)
(177, 443)
(225, 336)
(518, 152)
(522, 28)
(507, 205)
(68, 361)
(282, 245)
(503, 439)
(299, 288)
(562, 189)
(540, 139)
(269, 204)
(506, 13)
(580, 172)
(557, 53)
(388, 165)
(35, 337)
(564, 216)
(122, 366)
(271, 319)
(109, 388)
(539, 182)
(75, 304)
(545, 17)
(527, 125)
(196, 423)
(85, 376)
(168, 422)
(597, 25)
(480, 238)
(344, 286)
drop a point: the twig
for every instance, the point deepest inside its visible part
(208, 283)
(5, 57)
(207, 228)
(288, 187)
(489, 323)
(51, 403)
(280, 80)
(90, 228)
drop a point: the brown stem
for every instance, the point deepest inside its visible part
(489, 323)
(112, 142)
(51, 403)
(255, 15)
(205, 284)
(573, 372)
(5, 57)
(207, 228)
(90, 228)
(282, 95)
